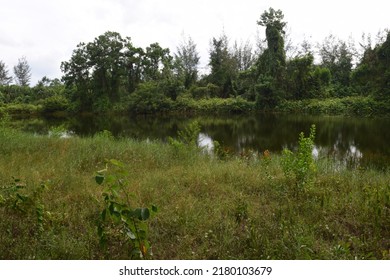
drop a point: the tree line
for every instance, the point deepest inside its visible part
(111, 72)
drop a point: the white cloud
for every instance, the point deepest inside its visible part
(46, 31)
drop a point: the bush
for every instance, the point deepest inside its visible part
(23, 109)
(54, 104)
(148, 99)
(300, 165)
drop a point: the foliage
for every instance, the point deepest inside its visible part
(301, 164)
(337, 56)
(223, 67)
(148, 98)
(118, 217)
(54, 104)
(189, 135)
(186, 63)
(372, 75)
(272, 62)
(22, 72)
(362, 106)
(5, 79)
(21, 204)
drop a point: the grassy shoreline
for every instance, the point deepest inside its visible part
(236, 208)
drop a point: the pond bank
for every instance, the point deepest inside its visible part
(237, 208)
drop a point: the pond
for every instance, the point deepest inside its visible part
(352, 141)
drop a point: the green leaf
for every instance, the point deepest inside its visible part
(142, 213)
(116, 163)
(103, 214)
(130, 234)
(99, 179)
(154, 208)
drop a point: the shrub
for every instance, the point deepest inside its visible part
(300, 165)
(148, 98)
(54, 104)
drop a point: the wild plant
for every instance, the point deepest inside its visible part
(300, 165)
(118, 217)
(188, 136)
(219, 151)
(17, 201)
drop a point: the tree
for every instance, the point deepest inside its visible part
(186, 62)
(97, 71)
(271, 64)
(22, 72)
(243, 55)
(106, 59)
(372, 74)
(4, 78)
(223, 66)
(337, 56)
(156, 62)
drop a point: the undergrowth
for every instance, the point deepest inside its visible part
(249, 206)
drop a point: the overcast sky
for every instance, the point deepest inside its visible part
(47, 31)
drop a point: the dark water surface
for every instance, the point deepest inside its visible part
(351, 140)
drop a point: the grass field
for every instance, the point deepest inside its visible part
(209, 207)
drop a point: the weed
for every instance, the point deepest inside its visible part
(15, 199)
(118, 216)
(189, 135)
(300, 164)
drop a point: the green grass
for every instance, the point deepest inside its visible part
(238, 208)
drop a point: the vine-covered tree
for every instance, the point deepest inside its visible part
(22, 72)
(271, 64)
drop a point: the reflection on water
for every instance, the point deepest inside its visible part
(351, 141)
(205, 142)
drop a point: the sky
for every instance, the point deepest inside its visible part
(47, 31)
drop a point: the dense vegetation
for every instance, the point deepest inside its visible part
(111, 74)
(74, 204)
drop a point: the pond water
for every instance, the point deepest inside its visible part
(350, 140)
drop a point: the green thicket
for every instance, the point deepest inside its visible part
(111, 74)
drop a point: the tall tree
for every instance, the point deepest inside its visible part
(223, 66)
(186, 62)
(372, 74)
(337, 56)
(157, 63)
(5, 79)
(243, 55)
(271, 64)
(22, 72)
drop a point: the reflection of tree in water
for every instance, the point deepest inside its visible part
(346, 139)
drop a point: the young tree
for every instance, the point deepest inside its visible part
(22, 72)
(4, 78)
(186, 62)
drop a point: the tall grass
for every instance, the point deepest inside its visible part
(235, 208)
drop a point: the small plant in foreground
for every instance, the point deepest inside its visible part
(301, 164)
(118, 217)
(17, 201)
